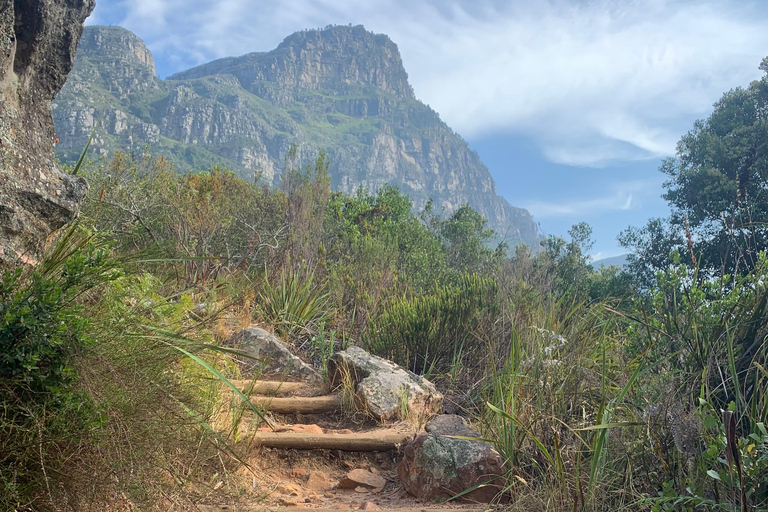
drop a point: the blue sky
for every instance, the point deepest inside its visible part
(571, 104)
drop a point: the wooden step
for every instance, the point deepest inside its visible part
(448, 507)
(380, 440)
(299, 404)
(276, 387)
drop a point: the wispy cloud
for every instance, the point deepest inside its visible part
(621, 197)
(592, 81)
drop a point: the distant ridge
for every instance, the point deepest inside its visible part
(614, 261)
(342, 89)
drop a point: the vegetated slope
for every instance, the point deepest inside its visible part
(342, 89)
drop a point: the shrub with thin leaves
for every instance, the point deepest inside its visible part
(296, 304)
(430, 332)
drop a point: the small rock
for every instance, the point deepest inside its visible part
(290, 489)
(344, 431)
(298, 473)
(319, 481)
(369, 505)
(291, 503)
(361, 477)
(199, 311)
(306, 429)
(362, 489)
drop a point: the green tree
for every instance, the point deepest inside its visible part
(465, 239)
(717, 189)
(569, 261)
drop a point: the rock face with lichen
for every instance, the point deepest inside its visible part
(341, 89)
(386, 390)
(38, 41)
(438, 465)
(267, 357)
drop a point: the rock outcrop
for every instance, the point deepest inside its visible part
(264, 355)
(386, 390)
(38, 41)
(436, 466)
(341, 89)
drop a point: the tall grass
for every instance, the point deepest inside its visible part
(110, 398)
(552, 402)
(597, 408)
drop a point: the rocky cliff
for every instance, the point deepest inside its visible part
(341, 89)
(38, 41)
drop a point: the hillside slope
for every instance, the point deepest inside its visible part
(341, 89)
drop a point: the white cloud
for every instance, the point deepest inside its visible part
(592, 81)
(622, 197)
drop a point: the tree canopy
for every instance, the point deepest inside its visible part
(717, 189)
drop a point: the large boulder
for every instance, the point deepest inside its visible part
(436, 466)
(383, 387)
(267, 356)
(38, 40)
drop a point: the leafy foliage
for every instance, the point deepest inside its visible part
(716, 188)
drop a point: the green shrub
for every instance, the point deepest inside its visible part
(40, 322)
(296, 304)
(434, 331)
(42, 328)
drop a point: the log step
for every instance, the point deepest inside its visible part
(299, 404)
(275, 387)
(451, 507)
(374, 441)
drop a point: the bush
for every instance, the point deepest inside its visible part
(42, 328)
(99, 396)
(432, 332)
(296, 304)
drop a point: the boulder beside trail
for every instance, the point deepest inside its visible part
(266, 355)
(436, 466)
(38, 41)
(388, 391)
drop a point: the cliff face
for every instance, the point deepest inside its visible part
(37, 47)
(342, 89)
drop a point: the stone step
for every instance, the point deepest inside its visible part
(380, 440)
(299, 404)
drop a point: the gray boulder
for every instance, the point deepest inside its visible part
(437, 467)
(383, 387)
(267, 356)
(38, 41)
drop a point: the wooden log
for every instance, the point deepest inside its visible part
(376, 441)
(299, 404)
(452, 507)
(274, 387)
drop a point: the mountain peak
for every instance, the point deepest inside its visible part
(338, 60)
(116, 44)
(351, 54)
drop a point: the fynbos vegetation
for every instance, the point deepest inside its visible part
(644, 389)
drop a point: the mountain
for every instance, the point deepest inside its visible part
(614, 261)
(341, 89)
